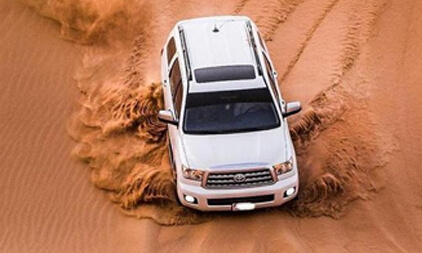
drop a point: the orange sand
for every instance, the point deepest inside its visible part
(355, 66)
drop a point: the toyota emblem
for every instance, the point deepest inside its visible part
(239, 178)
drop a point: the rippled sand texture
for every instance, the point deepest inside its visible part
(125, 146)
(47, 202)
(354, 65)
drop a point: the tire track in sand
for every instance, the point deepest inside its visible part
(328, 105)
(267, 15)
(240, 6)
(344, 170)
(309, 36)
(277, 13)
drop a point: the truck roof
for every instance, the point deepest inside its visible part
(220, 53)
(227, 45)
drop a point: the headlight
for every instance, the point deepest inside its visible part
(192, 174)
(285, 167)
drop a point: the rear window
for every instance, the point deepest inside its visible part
(224, 73)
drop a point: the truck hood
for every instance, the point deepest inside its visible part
(211, 151)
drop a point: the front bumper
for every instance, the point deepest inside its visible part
(202, 195)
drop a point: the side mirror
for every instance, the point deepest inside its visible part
(292, 108)
(167, 116)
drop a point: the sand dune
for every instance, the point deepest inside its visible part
(124, 144)
(47, 201)
(355, 65)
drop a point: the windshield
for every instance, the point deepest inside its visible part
(230, 112)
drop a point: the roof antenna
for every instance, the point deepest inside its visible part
(215, 28)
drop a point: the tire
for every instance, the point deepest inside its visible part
(174, 172)
(172, 165)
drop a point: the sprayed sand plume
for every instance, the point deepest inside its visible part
(118, 134)
(92, 22)
(121, 139)
(124, 144)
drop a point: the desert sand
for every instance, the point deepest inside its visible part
(83, 163)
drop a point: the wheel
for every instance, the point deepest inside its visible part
(174, 172)
(177, 194)
(172, 165)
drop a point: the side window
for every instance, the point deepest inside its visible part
(176, 86)
(175, 77)
(171, 50)
(271, 76)
(178, 99)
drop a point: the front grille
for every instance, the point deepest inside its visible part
(223, 180)
(230, 201)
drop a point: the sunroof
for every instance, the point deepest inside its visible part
(224, 73)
